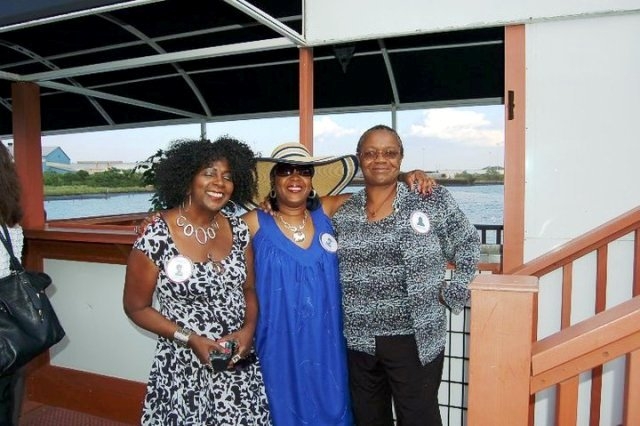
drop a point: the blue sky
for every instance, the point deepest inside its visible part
(464, 138)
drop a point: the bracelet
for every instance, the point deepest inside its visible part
(181, 336)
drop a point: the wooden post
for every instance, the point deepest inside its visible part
(306, 97)
(27, 151)
(514, 147)
(500, 351)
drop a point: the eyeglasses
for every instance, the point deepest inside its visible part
(284, 169)
(387, 154)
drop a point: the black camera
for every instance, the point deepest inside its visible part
(220, 360)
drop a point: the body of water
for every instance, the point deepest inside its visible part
(483, 204)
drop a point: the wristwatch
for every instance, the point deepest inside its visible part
(181, 335)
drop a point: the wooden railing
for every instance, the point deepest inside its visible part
(507, 363)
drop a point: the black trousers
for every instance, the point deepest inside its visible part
(395, 372)
(11, 388)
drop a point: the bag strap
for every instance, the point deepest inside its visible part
(14, 262)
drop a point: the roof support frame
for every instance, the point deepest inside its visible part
(268, 20)
(155, 46)
(47, 63)
(165, 58)
(389, 67)
(122, 99)
(71, 15)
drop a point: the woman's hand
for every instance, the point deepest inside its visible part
(265, 206)
(139, 229)
(203, 346)
(419, 181)
(243, 339)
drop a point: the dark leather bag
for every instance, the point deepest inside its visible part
(28, 323)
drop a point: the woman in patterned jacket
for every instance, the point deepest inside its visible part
(393, 249)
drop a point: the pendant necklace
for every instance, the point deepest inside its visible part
(372, 213)
(217, 266)
(201, 234)
(298, 234)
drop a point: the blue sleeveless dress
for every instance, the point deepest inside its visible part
(299, 336)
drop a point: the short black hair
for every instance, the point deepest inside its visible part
(376, 128)
(187, 157)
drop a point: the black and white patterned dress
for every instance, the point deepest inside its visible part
(181, 391)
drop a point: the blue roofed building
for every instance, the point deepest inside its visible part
(54, 159)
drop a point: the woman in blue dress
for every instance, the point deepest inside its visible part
(299, 336)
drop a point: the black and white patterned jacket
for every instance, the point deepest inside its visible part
(393, 271)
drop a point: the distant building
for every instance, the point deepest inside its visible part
(51, 154)
(54, 159)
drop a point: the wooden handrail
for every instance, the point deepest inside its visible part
(587, 344)
(576, 248)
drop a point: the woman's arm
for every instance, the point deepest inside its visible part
(331, 203)
(139, 285)
(244, 336)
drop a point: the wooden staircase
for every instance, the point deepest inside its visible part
(509, 365)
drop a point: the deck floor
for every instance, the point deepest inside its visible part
(35, 414)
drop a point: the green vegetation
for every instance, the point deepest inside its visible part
(85, 190)
(492, 175)
(81, 182)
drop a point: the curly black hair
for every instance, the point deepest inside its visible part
(10, 209)
(187, 157)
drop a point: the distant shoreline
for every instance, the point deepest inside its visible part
(446, 182)
(92, 195)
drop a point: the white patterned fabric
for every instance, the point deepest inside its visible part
(181, 391)
(17, 239)
(393, 271)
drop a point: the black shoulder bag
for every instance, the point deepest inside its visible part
(28, 323)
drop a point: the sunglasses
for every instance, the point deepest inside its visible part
(283, 170)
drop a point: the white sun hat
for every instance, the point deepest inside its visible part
(332, 173)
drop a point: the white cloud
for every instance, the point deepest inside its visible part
(325, 127)
(462, 126)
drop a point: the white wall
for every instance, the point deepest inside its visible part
(582, 149)
(326, 20)
(100, 338)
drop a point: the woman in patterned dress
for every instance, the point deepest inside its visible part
(198, 260)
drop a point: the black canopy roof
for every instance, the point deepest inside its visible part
(111, 64)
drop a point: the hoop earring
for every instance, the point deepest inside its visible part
(272, 193)
(186, 208)
(313, 193)
(231, 209)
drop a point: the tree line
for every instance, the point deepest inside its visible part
(111, 178)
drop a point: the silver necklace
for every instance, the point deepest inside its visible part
(217, 266)
(372, 213)
(202, 234)
(298, 234)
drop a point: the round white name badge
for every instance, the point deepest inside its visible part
(420, 222)
(328, 242)
(179, 269)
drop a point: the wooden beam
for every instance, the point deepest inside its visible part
(514, 146)
(27, 149)
(500, 348)
(585, 361)
(591, 334)
(631, 414)
(306, 97)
